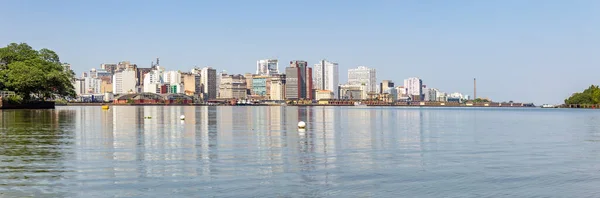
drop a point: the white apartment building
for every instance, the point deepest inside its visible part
(172, 77)
(92, 85)
(363, 75)
(414, 87)
(79, 85)
(326, 77)
(153, 80)
(124, 82)
(267, 67)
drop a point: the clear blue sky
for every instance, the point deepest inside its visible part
(534, 51)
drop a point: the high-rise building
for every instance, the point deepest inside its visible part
(277, 87)
(414, 88)
(267, 67)
(363, 75)
(124, 82)
(192, 84)
(326, 76)
(208, 75)
(298, 81)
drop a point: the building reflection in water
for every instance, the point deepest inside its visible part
(140, 142)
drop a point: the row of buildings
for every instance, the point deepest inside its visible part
(299, 81)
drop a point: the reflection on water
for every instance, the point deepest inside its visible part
(258, 151)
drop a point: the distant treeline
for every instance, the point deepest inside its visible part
(589, 96)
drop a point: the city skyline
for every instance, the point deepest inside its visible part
(448, 44)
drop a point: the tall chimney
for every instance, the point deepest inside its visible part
(474, 88)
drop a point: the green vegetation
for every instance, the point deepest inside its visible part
(16, 99)
(34, 75)
(589, 96)
(480, 100)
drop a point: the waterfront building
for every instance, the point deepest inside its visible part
(192, 84)
(140, 73)
(431, 94)
(267, 67)
(124, 82)
(208, 75)
(277, 90)
(298, 81)
(249, 78)
(353, 91)
(324, 95)
(259, 85)
(414, 88)
(326, 76)
(232, 87)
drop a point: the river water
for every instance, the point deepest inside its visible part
(259, 152)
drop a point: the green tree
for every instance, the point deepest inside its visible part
(589, 96)
(34, 74)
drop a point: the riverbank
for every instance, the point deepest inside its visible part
(519, 105)
(28, 105)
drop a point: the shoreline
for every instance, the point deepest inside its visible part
(318, 105)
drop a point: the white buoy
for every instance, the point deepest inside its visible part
(301, 124)
(182, 117)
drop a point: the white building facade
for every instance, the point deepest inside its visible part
(326, 77)
(363, 75)
(267, 67)
(414, 87)
(124, 82)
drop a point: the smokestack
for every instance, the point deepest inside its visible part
(474, 88)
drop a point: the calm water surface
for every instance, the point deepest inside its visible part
(259, 152)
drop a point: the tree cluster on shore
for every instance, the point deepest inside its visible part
(589, 96)
(34, 74)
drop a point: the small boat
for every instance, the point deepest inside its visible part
(105, 107)
(548, 106)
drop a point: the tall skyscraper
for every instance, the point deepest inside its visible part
(267, 67)
(327, 76)
(363, 75)
(414, 88)
(298, 81)
(209, 82)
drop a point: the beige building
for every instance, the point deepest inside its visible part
(249, 78)
(233, 87)
(106, 86)
(192, 84)
(324, 95)
(353, 91)
(277, 87)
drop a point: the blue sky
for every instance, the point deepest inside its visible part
(533, 51)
